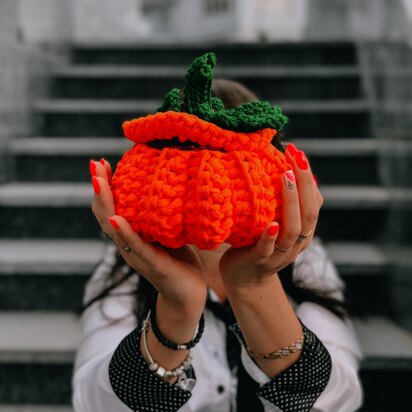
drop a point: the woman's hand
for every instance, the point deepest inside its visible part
(244, 268)
(175, 273)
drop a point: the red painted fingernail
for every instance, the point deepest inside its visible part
(315, 179)
(273, 230)
(292, 149)
(290, 179)
(301, 161)
(108, 170)
(96, 185)
(113, 222)
(92, 166)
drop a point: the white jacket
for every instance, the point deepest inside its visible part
(107, 322)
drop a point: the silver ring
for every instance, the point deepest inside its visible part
(280, 249)
(127, 248)
(301, 238)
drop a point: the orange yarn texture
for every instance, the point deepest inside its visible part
(224, 188)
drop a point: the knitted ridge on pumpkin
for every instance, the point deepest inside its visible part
(188, 127)
(203, 197)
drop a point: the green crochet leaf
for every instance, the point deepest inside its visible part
(248, 117)
(172, 102)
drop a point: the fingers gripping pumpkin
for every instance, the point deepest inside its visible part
(199, 173)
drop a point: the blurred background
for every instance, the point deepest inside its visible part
(72, 70)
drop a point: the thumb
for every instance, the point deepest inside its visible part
(265, 245)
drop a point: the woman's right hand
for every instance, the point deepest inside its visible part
(176, 273)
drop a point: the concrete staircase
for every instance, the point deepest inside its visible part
(50, 243)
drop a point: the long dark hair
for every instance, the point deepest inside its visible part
(232, 94)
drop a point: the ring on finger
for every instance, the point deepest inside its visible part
(127, 248)
(302, 237)
(280, 249)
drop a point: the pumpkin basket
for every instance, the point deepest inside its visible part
(199, 173)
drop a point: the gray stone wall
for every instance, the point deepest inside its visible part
(12, 81)
(358, 20)
(387, 68)
(23, 74)
(67, 21)
(277, 20)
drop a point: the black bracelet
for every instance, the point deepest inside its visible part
(168, 343)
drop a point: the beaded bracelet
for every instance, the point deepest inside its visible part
(164, 341)
(158, 370)
(280, 353)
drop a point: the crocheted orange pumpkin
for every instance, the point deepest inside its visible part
(204, 175)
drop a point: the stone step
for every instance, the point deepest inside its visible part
(50, 274)
(111, 146)
(96, 117)
(66, 159)
(33, 210)
(401, 285)
(80, 194)
(160, 71)
(108, 106)
(286, 54)
(35, 408)
(46, 274)
(129, 82)
(362, 265)
(386, 372)
(34, 370)
(36, 357)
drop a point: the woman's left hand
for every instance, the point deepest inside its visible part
(243, 268)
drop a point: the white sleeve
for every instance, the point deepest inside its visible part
(110, 373)
(314, 270)
(298, 387)
(104, 325)
(343, 392)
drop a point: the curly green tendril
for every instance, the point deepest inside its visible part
(197, 100)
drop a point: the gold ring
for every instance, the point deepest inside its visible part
(280, 249)
(302, 237)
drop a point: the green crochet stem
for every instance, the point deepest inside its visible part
(197, 100)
